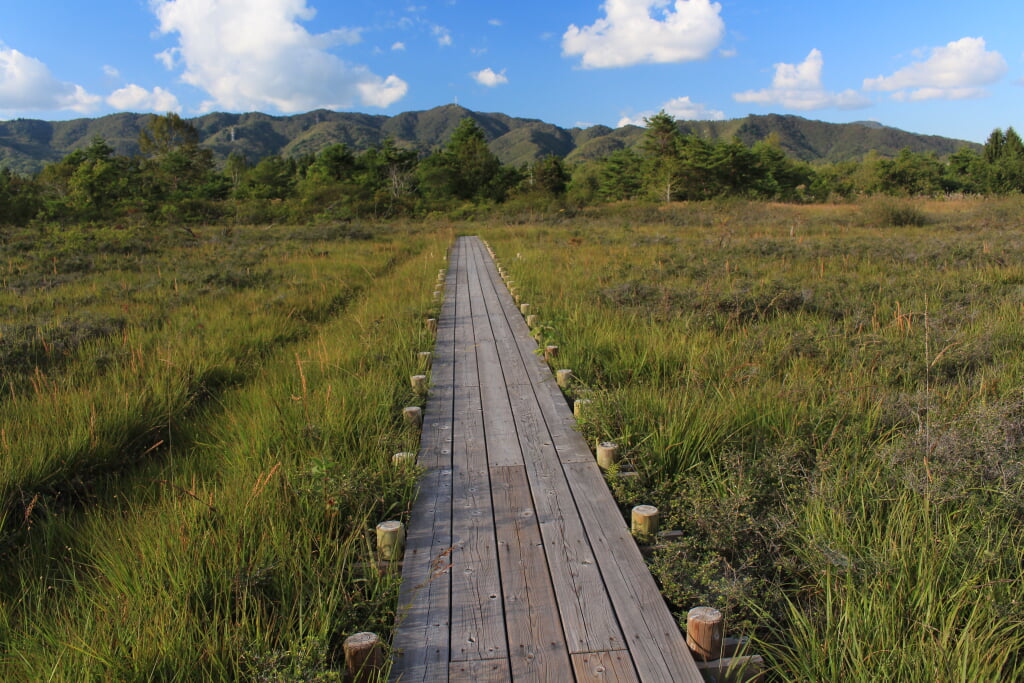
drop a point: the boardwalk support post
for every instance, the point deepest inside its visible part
(564, 378)
(645, 521)
(403, 459)
(364, 656)
(704, 632)
(419, 384)
(532, 321)
(607, 454)
(413, 416)
(550, 352)
(390, 540)
(432, 325)
(425, 360)
(580, 407)
(524, 309)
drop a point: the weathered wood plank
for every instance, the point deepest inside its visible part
(584, 606)
(484, 671)
(502, 442)
(478, 625)
(421, 641)
(658, 648)
(604, 667)
(560, 420)
(536, 644)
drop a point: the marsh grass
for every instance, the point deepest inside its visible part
(827, 401)
(199, 505)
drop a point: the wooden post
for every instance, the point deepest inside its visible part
(645, 521)
(525, 309)
(419, 384)
(390, 540)
(413, 416)
(704, 632)
(426, 359)
(432, 325)
(550, 352)
(607, 455)
(364, 656)
(580, 406)
(437, 294)
(403, 459)
(564, 378)
(532, 321)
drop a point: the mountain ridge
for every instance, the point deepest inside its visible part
(26, 145)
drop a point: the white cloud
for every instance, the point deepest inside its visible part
(489, 77)
(111, 72)
(377, 93)
(681, 109)
(799, 86)
(443, 35)
(495, 22)
(136, 98)
(647, 31)
(252, 54)
(956, 71)
(398, 47)
(26, 84)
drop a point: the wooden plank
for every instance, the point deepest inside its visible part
(465, 343)
(558, 416)
(477, 621)
(536, 645)
(484, 671)
(658, 648)
(500, 319)
(604, 667)
(502, 441)
(583, 602)
(421, 641)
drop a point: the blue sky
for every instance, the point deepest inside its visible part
(947, 69)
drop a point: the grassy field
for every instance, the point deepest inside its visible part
(196, 429)
(196, 440)
(827, 400)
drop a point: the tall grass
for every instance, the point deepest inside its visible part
(826, 403)
(199, 507)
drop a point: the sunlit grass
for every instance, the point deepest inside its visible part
(199, 506)
(828, 406)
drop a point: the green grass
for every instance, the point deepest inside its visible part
(826, 400)
(196, 430)
(199, 504)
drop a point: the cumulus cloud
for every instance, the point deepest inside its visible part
(647, 31)
(956, 71)
(136, 98)
(681, 109)
(489, 77)
(251, 54)
(398, 47)
(26, 84)
(799, 86)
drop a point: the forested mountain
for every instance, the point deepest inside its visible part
(26, 145)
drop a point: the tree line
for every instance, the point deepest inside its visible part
(175, 179)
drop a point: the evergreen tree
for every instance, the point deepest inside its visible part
(465, 168)
(660, 146)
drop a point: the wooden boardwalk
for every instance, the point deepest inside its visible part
(518, 563)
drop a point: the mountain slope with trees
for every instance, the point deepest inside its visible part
(26, 145)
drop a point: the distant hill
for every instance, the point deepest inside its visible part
(26, 145)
